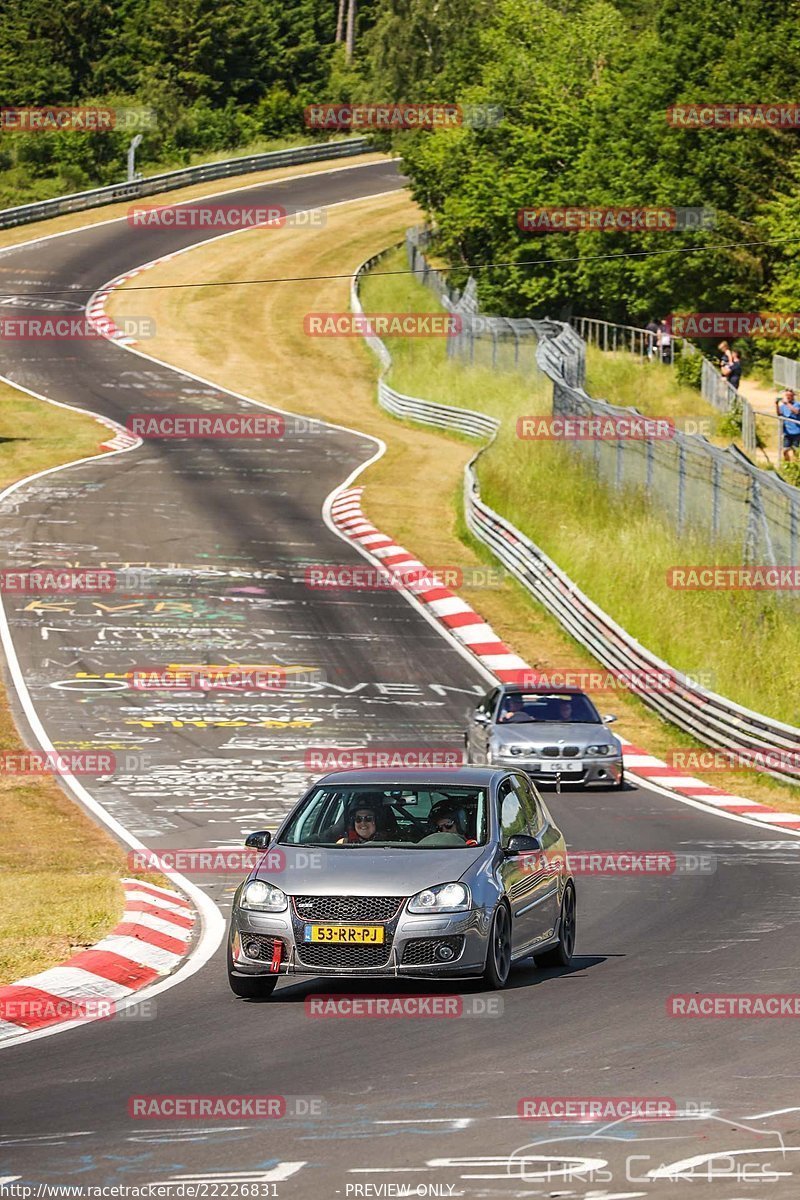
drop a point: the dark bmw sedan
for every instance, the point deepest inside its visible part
(380, 874)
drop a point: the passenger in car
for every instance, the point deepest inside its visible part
(446, 817)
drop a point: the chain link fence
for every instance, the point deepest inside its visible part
(716, 492)
(786, 372)
(712, 718)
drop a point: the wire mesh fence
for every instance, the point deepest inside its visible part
(716, 492)
(786, 371)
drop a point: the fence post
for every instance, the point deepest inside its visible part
(605, 335)
(681, 486)
(715, 482)
(650, 460)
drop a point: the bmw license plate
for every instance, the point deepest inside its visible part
(557, 764)
(369, 935)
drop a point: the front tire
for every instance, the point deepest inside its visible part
(250, 987)
(561, 955)
(498, 955)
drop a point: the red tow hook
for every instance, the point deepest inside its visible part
(277, 952)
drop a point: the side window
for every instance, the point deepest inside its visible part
(513, 818)
(531, 803)
(489, 702)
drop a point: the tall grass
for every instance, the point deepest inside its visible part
(615, 547)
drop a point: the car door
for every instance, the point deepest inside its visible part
(480, 725)
(521, 875)
(547, 899)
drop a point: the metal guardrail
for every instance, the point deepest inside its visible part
(711, 718)
(409, 408)
(23, 214)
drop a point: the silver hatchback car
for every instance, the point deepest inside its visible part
(380, 874)
(554, 736)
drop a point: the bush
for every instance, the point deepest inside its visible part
(790, 473)
(689, 369)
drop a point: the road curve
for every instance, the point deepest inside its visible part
(224, 531)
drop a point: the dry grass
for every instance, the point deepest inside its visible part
(252, 340)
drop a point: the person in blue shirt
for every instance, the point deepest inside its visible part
(789, 409)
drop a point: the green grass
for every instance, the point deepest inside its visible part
(623, 378)
(611, 543)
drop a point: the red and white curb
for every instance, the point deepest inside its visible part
(476, 636)
(96, 308)
(448, 608)
(149, 943)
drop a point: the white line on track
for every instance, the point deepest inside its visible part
(213, 924)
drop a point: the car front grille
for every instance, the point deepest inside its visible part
(341, 956)
(560, 751)
(258, 946)
(421, 952)
(371, 909)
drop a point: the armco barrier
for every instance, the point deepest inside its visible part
(711, 718)
(184, 177)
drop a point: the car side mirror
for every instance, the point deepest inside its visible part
(258, 841)
(521, 843)
(481, 718)
(609, 719)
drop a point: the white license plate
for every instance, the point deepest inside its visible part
(561, 765)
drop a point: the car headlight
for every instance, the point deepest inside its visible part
(445, 897)
(603, 748)
(263, 897)
(529, 750)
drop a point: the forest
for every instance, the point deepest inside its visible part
(583, 87)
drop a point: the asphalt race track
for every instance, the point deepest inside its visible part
(221, 533)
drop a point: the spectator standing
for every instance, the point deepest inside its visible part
(724, 355)
(653, 328)
(789, 409)
(732, 370)
(665, 342)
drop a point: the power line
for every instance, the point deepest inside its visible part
(507, 264)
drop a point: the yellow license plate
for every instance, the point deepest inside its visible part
(369, 935)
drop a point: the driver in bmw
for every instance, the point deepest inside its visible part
(513, 707)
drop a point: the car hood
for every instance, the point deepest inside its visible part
(357, 871)
(544, 734)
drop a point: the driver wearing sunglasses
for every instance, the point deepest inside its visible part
(362, 826)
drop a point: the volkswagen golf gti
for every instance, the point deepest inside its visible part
(426, 874)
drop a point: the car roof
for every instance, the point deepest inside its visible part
(434, 778)
(510, 689)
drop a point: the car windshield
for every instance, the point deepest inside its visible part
(563, 707)
(416, 818)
